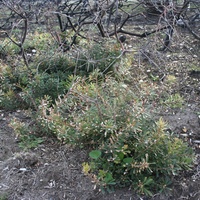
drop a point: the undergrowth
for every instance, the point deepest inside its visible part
(129, 147)
(50, 70)
(83, 99)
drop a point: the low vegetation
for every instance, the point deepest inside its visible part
(87, 94)
(85, 99)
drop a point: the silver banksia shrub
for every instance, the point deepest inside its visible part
(129, 148)
(91, 113)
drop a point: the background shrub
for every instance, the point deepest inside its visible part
(50, 70)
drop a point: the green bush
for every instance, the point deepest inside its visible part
(14, 78)
(56, 63)
(11, 83)
(45, 84)
(129, 147)
(19, 90)
(144, 159)
(4, 196)
(83, 62)
(40, 41)
(11, 101)
(92, 111)
(173, 101)
(49, 70)
(101, 57)
(25, 134)
(9, 47)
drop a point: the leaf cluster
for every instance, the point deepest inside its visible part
(77, 99)
(129, 147)
(50, 71)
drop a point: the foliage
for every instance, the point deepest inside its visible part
(90, 111)
(25, 134)
(129, 148)
(55, 63)
(77, 98)
(41, 41)
(9, 47)
(145, 159)
(173, 101)
(50, 71)
(171, 80)
(99, 56)
(9, 100)
(21, 90)
(3, 196)
(81, 103)
(46, 84)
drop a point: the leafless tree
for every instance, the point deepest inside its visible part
(107, 17)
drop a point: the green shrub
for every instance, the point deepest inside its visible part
(50, 70)
(144, 159)
(14, 78)
(40, 41)
(93, 112)
(129, 147)
(173, 101)
(10, 100)
(20, 88)
(25, 134)
(9, 47)
(56, 63)
(4, 196)
(89, 58)
(45, 84)
(101, 57)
